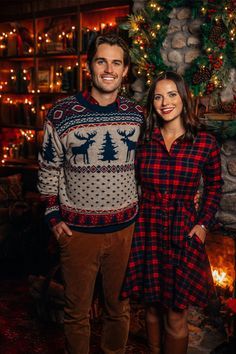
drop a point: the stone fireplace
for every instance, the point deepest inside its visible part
(227, 213)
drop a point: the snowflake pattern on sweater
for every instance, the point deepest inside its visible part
(86, 174)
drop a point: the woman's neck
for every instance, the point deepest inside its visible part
(173, 129)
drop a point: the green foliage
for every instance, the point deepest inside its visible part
(148, 30)
(223, 130)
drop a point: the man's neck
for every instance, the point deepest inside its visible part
(104, 99)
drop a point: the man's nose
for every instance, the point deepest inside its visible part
(109, 68)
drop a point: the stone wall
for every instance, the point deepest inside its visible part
(227, 213)
(182, 43)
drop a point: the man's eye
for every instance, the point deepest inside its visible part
(100, 61)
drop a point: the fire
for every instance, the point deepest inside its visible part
(221, 278)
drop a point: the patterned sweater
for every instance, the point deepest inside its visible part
(86, 174)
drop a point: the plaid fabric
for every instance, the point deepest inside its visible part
(165, 264)
(87, 96)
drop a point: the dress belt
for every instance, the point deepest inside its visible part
(167, 198)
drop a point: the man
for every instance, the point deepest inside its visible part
(87, 180)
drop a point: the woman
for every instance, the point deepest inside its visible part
(168, 268)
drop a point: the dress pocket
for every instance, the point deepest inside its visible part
(190, 217)
(198, 240)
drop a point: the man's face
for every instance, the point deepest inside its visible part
(108, 69)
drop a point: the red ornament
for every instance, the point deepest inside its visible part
(221, 43)
(210, 88)
(231, 303)
(215, 61)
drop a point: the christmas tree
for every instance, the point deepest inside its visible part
(49, 151)
(108, 150)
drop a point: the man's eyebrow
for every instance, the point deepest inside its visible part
(102, 58)
(99, 58)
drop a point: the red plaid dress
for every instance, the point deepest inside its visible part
(166, 265)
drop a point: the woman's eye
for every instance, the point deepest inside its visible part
(172, 94)
(157, 98)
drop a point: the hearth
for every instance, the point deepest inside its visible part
(221, 249)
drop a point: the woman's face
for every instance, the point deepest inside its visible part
(167, 101)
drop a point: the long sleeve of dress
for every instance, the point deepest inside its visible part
(212, 186)
(51, 158)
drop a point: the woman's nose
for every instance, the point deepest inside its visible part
(165, 100)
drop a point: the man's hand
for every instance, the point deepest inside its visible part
(199, 231)
(61, 229)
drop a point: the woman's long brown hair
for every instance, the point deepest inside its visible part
(190, 120)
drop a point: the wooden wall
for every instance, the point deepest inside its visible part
(15, 8)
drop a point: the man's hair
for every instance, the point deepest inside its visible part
(111, 39)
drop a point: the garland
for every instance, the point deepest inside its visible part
(208, 73)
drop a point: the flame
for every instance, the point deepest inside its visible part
(221, 278)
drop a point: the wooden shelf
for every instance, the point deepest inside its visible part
(31, 163)
(18, 58)
(47, 70)
(21, 126)
(16, 93)
(59, 55)
(218, 116)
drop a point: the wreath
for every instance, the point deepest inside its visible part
(207, 73)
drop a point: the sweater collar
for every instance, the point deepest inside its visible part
(91, 100)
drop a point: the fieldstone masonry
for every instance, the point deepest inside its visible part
(227, 213)
(182, 44)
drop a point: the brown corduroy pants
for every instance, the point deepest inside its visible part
(82, 256)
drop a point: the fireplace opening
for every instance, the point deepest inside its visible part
(221, 250)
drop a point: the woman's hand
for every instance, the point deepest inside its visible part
(196, 200)
(199, 231)
(61, 229)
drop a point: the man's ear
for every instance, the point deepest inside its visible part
(125, 72)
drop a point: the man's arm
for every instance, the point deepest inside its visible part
(51, 159)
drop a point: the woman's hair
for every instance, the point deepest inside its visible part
(111, 39)
(190, 120)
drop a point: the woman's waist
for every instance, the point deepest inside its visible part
(167, 197)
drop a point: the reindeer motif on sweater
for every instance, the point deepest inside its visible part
(130, 144)
(83, 149)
